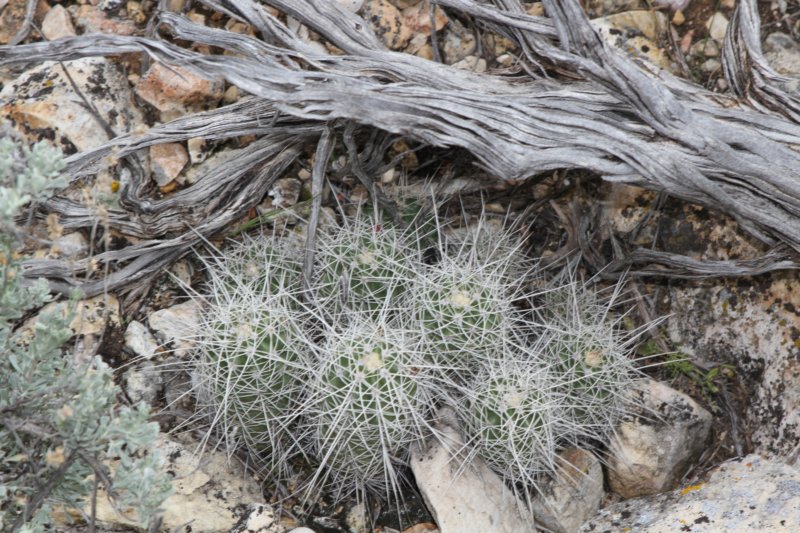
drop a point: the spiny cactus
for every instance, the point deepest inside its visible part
(461, 310)
(369, 399)
(589, 353)
(252, 359)
(364, 266)
(511, 414)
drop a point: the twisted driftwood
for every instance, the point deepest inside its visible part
(602, 111)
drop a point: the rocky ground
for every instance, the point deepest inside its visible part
(722, 456)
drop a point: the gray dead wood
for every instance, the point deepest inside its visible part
(604, 112)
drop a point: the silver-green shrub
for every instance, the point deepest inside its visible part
(59, 424)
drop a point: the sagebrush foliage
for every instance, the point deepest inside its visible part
(59, 424)
(353, 365)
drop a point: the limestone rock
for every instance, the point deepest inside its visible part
(637, 33)
(567, 501)
(91, 19)
(176, 91)
(167, 160)
(57, 24)
(782, 52)
(210, 492)
(90, 317)
(387, 22)
(656, 443)
(42, 103)
(72, 245)
(177, 325)
(418, 18)
(142, 382)
(463, 497)
(744, 495)
(717, 25)
(140, 341)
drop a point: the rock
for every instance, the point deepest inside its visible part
(43, 105)
(418, 17)
(783, 53)
(673, 5)
(705, 48)
(463, 497)
(717, 25)
(12, 17)
(754, 326)
(745, 495)
(567, 501)
(458, 42)
(178, 325)
(72, 245)
(654, 446)
(357, 519)
(210, 492)
(260, 518)
(473, 63)
(637, 33)
(89, 317)
(175, 91)
(711, 66)
(143, 383)
(57, 24)
(602, 8)
(387, 22)
(198, 150)
(90, 19)
(167, 160)
(140, 341)
(285, 192)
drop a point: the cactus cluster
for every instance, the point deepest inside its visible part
(346, 371)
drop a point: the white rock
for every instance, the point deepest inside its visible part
(357, 519)
(210, 492)
(717, 25)
(654, 446)
(566, 502)
(140, 341)
(302, 530)
(463, 497)
(178, 325)
(752, 326)
(143, 383)
(72, 245)
(259, 519)
(638, 34)
(43, 99)
(89, 317)
(783, 53)
(745, 496)
(57, 24)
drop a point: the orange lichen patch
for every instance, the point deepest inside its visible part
(691, 488)
(168, 188)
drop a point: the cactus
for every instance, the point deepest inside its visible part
(252, 359)
(369, 399)
(364, 266)
(511, 414)
(462, 311)
(589, 354)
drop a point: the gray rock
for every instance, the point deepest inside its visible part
(782, 52)
(72, 245)
(42, 102)
(211, 493)
(463, 497)
(260, 518)
(752, 494)
(565, 502)
(143, 383)
(755, 327)
(717, 25)
(140, 341)
(655, 445)
(177, 325)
